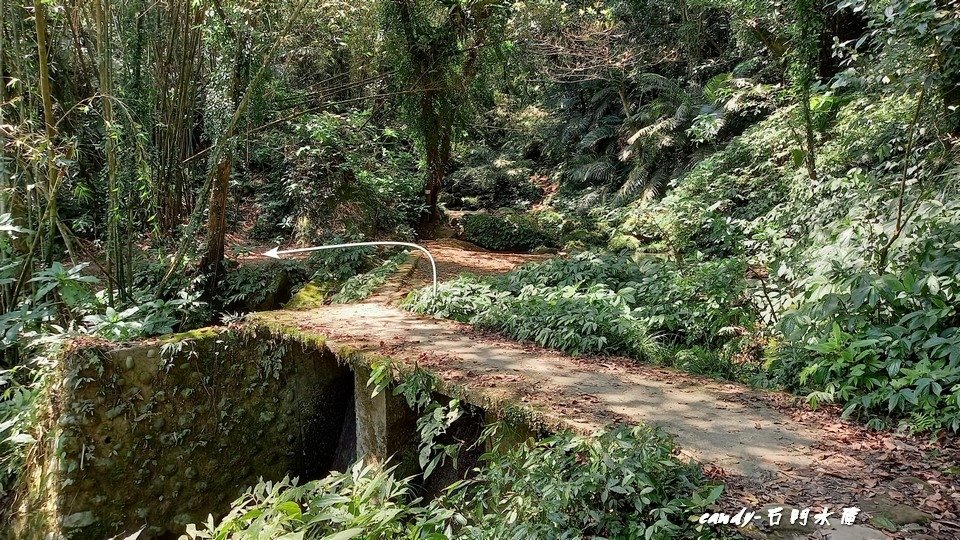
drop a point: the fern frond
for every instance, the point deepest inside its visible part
(598, 171)
(646, 82)
(597, 135)
(635, 184)
(603, 96)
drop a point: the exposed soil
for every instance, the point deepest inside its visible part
(455, 257)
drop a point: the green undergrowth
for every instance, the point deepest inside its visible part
(623, 483)
(561, 225)
(853, 274)
(646, 308)
(22, 389)
(264, 286)
(344, 276)
(492, 180)
(360, 286)
(504, 232)
(841, 288)
(337, 172)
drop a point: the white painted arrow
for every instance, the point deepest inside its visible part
(276, 252)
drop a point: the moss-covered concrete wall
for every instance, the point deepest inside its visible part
(160, 435)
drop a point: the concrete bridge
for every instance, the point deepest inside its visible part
(158, 419)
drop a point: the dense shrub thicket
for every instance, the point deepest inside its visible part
(334, 174)
(492, 181)
(855, 275)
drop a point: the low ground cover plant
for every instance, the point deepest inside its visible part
(621, 484)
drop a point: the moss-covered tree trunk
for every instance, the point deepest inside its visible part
(437, 142)
(212, 261)
(439, 62)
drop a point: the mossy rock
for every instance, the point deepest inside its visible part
(885, 511)
(313, 294)
(622, 242)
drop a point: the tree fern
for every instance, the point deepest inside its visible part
(600, 170)
(597, 135)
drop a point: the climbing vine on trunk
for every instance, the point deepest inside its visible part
(439, 48)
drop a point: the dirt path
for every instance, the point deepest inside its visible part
(766, 448)
(453, 257)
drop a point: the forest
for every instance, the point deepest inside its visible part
(761, 195)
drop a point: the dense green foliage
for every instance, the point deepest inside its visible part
(504, 232)
(752, 189)
(624, 483)
(861, 305)
(19, 406)
(361, 286)
(338, 173)
(607, 303)
(364, 502)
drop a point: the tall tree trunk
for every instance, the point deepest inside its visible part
(432, 149)
(220, 189)
(806, 38)
(437, 145)
(217, 219)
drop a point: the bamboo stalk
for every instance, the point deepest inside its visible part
(114, 256)
(220, 147)
(40, 22)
